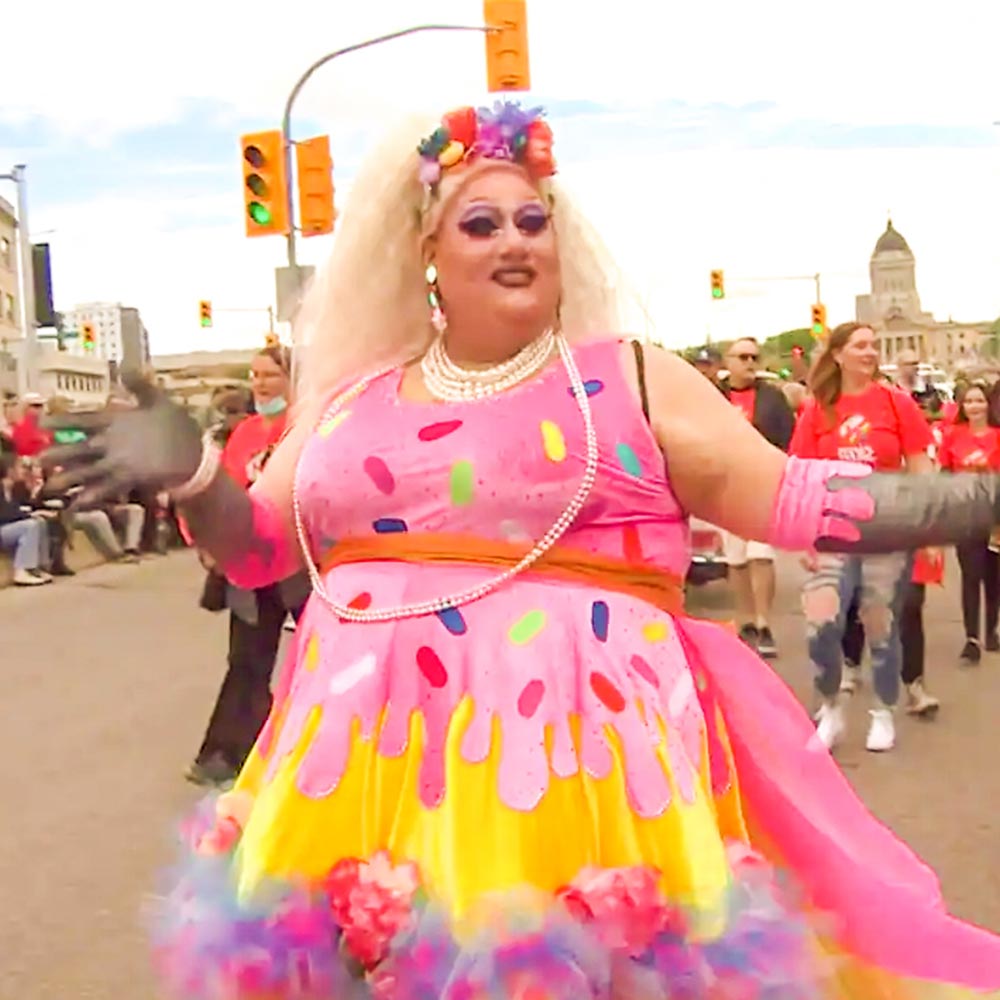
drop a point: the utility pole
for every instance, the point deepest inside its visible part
(28, 361)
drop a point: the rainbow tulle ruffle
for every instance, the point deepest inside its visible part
(368, 931)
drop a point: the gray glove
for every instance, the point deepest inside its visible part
(157, 445)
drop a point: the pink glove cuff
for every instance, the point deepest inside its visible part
(271, 553)
(806, 509)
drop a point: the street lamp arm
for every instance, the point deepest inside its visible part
(286, 121)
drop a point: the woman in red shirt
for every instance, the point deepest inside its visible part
(853, 417)
(256, 616)
(972, 444)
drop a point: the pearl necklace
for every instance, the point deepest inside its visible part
(546, 542)
(452, 383)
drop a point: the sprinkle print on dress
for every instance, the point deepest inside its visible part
(378, 472)
(553, 441)
(527, 627)
(453, 620)
(462, 483)
(628, 459)
(558, 678)
(434, 432)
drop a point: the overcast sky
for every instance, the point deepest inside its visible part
(767, 139)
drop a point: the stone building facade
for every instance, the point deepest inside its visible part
(892, 309)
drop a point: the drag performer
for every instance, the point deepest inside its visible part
(503, 763)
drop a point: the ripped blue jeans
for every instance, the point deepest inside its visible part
(826, 597)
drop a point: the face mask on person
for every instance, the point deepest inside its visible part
(273, 407)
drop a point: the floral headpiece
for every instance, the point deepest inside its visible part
(504, 132)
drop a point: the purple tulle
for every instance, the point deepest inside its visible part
(285, 945)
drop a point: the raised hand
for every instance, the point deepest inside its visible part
(156, 445)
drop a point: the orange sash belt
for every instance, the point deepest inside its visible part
(658, 587)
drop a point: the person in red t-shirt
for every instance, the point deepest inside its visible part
(852, 417)
(256, 617)
(972, 444)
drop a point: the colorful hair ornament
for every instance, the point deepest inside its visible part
(504, 132)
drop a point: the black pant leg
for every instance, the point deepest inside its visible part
(911, 632)
(971, 562)
(991, 589)
(257, 654)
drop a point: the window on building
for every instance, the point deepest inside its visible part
(9, 308)
(6, 255)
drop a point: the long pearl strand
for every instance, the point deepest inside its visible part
(452, 383)
(549, 539)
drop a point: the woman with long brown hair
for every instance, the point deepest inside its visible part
(972, 444)
(853, 417)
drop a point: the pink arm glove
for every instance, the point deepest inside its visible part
(846, 507)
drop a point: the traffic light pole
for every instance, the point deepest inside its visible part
(286, 121)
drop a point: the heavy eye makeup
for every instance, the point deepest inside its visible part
(482, 222)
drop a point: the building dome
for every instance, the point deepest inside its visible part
(890, 241)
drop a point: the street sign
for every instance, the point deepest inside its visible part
(290, 285)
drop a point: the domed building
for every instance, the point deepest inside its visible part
(892, 310)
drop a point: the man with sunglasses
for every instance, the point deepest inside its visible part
(751, 564)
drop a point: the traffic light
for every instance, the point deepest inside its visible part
(507, 65)
(314, 167)
(718, 285)
(265, 186)
(205, 312)
(818, 320)
(88, 337)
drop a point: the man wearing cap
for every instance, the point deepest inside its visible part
(709, 362)
(751, 564)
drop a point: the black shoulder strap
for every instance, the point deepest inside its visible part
(640, 367)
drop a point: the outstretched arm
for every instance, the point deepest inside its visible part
(724, 472)
(248, 534)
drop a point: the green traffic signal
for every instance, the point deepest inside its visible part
(716, 293)
(206, 320)
(260, 213)
(817, 329)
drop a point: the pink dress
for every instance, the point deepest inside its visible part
(558, 790)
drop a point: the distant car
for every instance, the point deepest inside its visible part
(707, 559)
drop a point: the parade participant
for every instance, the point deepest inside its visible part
(972, 444)
(751, 564)
(851, 416)
(256, 615)
(503, 762)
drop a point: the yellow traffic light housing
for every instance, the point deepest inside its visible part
(507, 66)
(718, 285)
(205, 312)
(265, 184)
(88, 336)
(314, 167)
(818, 327)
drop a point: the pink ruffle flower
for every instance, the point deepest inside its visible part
(623, 906)
(371, 901)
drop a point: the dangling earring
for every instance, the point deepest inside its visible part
(438, 320)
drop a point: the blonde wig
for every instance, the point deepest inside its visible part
(367, 306)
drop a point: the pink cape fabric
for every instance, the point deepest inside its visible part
(891, 912)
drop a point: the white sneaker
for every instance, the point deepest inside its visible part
(31, 578)
(830, 724)
(850, 681)
(920, 702)
(881, 731)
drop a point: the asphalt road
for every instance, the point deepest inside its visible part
(107, 683)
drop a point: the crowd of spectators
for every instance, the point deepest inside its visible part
(37, 525)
